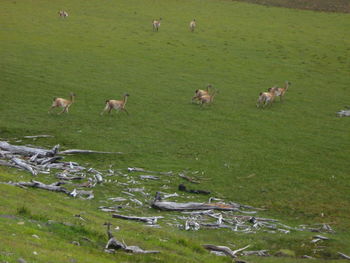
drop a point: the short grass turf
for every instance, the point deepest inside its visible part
(292, 158)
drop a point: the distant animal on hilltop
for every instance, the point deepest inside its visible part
(199, 92)
(280, 92)
(118, 105)
(192, 25)
(156, 24)
(65, 104)
(266, 98)
(62, 13)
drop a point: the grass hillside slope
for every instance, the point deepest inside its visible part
(291, 159)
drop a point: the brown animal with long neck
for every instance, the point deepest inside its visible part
(65, 104)
(192, 25)
(63, 13)
(156, 24)
(207, 98)
(266, 98)
(118, 105)
(280, 92)
(200, 92)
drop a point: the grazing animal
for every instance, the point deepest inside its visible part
(118, 105)
(207, 98)
(199, 92)
(65, 104)
(156, 24)
(266, 98)
(62, 13)
(281, 91)
(192, 25)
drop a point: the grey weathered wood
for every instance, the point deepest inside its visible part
(75, 151)
(28, 151)
(38, 136)
(344, 256)
(135, 169)
(36, 184)
(261, 253)
(5, 163)
(343, 113)
(148, 220)
(24, 165)
(225, 249)
(114, 244)
(173, 206)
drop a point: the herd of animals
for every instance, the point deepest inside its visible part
(202, 97)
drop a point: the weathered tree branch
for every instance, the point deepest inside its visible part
(28, 151)
(75, 151)
(149, 220)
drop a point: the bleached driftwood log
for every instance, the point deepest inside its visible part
(343, 113)
(28, 151)
(75, 151)
(261, 253)
(135, 169)
(173, 206)
(113, 244)
(4, 163)
(225, 250)
(38, 136)
(55, 187)
(344, 256)
(24, 166)
(149, 220)
(36, 184)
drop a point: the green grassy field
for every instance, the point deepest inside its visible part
(292, 158)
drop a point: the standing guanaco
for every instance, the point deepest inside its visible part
(65, 104)
(156, 24)
(118, 105)
(199, 92)
(192, 25)
(281, 91)
(63, 13)
(266, 98)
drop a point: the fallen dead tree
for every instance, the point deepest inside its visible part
(28, 151)
(173, 206)
(344, 256)
(38, 136)
(75, 151)
(24, 166)
(55, 187)
(135, 169)
(113, 244)
(344, 113)
(149, 220)
(226, 250)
